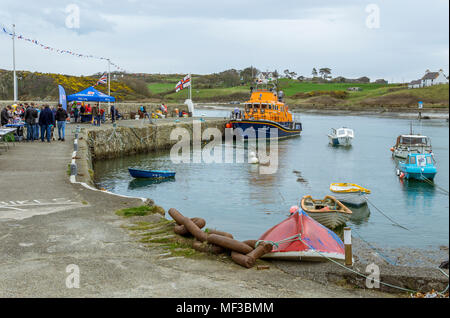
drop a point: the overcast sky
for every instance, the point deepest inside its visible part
(206, 36)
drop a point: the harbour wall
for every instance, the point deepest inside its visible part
(136, 137)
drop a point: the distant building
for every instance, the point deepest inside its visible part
(434, 78)
(415, 84)
(381, 81)
(429, 79)
(354, 89)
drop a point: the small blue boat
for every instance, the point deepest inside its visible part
(139, 173)
(417, 166)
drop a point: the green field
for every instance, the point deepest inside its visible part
(157, 88)
(291, 87)
(370, 94)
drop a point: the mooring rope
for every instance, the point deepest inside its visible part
(387, 259)
(386, 216)
(298, 237)
(433, 183)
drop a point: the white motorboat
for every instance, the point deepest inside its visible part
(341, 136)
(407, 144)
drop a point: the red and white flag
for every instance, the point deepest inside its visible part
(102, 80)
(185, 82)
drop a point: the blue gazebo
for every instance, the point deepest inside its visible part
(90, 94)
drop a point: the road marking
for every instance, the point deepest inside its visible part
(22, 209)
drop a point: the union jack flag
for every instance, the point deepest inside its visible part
(185, 82)
(102, 80)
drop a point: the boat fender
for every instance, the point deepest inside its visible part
(293, 209)
(207, 248)
(392, 149)
(177, 216)
(260, 250)
(251, 243)
(397, 172)
(229, 243)
(181, 229)
(402, 175)
(242, 259)
(189, 224)
(195, 230)
(209, 231)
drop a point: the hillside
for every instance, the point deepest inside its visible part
(228, 86)
(44, 86)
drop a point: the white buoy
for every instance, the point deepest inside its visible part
(253, 158)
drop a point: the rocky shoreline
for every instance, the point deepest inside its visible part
(407, 113)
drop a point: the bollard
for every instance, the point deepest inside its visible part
(73, 169)
(348, 246)
(75, 145)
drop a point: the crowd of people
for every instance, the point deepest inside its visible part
(39, 121)
(83, 112)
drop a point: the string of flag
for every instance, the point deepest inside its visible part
(6, 31)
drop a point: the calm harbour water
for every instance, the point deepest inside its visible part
(237, 199)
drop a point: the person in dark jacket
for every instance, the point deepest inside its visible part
(46, 121)
(30, 121)
(76, 113)
(60, 117)
(4, 116)
(96, 115)
(113, 113)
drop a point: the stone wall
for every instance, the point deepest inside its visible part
(120, 141)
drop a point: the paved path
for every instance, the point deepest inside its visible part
(47, 223)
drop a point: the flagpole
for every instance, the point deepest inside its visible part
(109, 82)
(190, 87)
(14, 63)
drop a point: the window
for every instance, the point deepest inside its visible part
(412, 160)
(421, 162)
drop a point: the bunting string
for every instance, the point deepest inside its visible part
(6, 31)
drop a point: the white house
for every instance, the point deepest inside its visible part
(415, 84)
(434, 78)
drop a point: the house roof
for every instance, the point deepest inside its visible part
(430, 75)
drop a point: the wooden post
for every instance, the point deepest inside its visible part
(348, 246)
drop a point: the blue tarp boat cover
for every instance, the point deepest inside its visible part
(90, 94)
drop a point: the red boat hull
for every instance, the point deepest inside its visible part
(317, 241)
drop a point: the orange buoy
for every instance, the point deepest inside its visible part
(293, 209)
(392, 149)
(228, 125)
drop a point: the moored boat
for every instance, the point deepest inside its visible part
(407, 144)
(140, 173)
(341, 136)
(347, 188)
(418, 167)
(300, 237)
(265, 115)
(329, 211)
